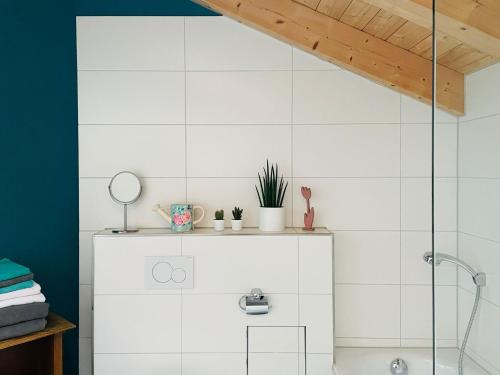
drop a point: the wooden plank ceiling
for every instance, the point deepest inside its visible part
(373, 18)
(389, 41)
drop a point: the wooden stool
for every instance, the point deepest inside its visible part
(39, 353)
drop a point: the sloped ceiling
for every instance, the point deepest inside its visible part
(388, 41)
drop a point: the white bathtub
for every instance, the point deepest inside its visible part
(376, 361)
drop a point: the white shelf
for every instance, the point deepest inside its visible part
(210, 232)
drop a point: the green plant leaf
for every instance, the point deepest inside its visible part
(283, 195)
(272, 187)
(260, 200)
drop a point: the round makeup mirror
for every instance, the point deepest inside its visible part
(125, 188)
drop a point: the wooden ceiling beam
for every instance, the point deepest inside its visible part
(347, 47)
(475, 23)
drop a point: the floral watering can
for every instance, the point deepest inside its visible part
(181, 217)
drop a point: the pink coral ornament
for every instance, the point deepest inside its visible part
(309, 215)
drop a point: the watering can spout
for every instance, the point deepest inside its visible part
(160, 211)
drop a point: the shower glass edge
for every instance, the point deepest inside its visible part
(433, 233)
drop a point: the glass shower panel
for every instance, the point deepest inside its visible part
(466, 188)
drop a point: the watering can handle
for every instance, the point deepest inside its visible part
(202, 214)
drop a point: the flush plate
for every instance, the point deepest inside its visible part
(168, 272)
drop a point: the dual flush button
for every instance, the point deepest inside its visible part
(163, 272)
(168, 272)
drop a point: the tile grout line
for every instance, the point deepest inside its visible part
(185, 181)
(231, 293)
(485, 300)
(298, 301)
(287, 293)
(457, 226)
(412, 284)
(465, 122)
(292, 205)
(400, 218)
(218, 71)
(266, 70)
(483, 178)
(385, 338)
(285, 176)
(291, 141)
(228, 352)
(479, 237)
(185, 122)
(229, 124)
(182, 312)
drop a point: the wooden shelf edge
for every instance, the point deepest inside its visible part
(55, 325)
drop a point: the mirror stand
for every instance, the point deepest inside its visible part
(125, 225)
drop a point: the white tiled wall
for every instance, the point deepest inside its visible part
(479, 213)
(294, 270)
(196, 105)
(130, 97)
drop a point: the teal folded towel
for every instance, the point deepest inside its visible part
(18, 286)
(10, 270)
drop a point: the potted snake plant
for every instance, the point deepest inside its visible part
(271, 196)
(237, 222)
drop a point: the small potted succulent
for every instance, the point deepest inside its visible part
(271, 196)
(237, 222)
(219, 220)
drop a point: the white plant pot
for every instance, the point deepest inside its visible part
(219, 225)
(236, 224)
(272, 219)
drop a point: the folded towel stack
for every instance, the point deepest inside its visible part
(22, 305)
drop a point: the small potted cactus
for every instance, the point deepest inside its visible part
(219, 220)
(237, 222)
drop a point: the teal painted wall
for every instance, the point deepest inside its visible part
(38, 139)
(140, 8)
(38, 148)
